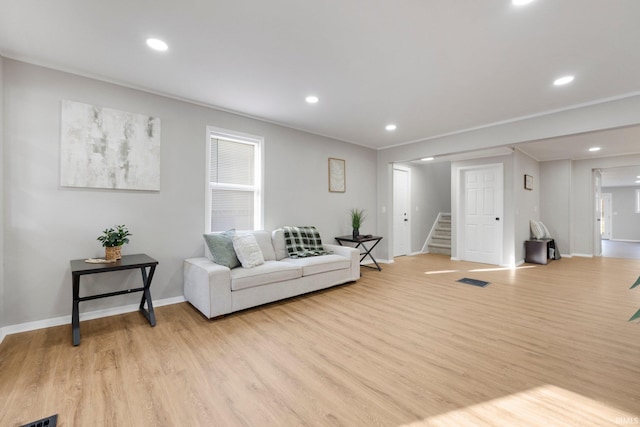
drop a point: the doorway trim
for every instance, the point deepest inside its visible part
(607, 216)
(596, 177)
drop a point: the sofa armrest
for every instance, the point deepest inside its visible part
(207, 286)
(348, 252)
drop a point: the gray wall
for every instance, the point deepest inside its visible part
(555, 202)
(45, 225)
(625, 222)
(526, 202)
(430, 195)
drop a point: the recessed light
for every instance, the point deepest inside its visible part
(520, 2)
(391, 127)
(157, 44)
(427, 159)
(592, 149)
(637, 182)
(563, 80)
(312, 99)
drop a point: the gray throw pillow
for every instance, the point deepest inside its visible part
(221, 247)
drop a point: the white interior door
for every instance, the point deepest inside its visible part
(482, 205)
(607, 216)
(400, 211)
(597, 232)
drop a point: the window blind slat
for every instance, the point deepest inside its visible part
(231, 209)
(232, 162)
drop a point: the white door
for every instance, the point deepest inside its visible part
(607, 212)
(597, 232)
(481, 211)
(400, 211)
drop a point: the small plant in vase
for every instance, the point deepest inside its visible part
(357, 218)
(113, 239)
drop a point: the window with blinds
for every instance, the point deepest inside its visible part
(234, 181)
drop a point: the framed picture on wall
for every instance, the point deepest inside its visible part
(337, 175)
(528, 182)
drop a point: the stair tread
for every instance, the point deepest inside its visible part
(440, 245)
(440, 239)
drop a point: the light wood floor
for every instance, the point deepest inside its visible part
(540, 346)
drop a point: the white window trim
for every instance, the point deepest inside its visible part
(637, 200)
(216, 132)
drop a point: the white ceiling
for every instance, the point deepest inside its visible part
(612, 142)
(430, 66)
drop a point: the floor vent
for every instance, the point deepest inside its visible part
(474, 282)
(51, 421)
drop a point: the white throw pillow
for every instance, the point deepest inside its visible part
(547, 234)
(247, 250)
(536, 230)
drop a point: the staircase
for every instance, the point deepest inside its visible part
(439, 241)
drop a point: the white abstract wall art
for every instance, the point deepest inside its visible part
(106, 148)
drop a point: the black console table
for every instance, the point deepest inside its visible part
(360, 241)
(128, 262)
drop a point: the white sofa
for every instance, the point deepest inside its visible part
(216, 290)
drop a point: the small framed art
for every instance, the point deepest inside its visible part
(528, 182)
(337, 175)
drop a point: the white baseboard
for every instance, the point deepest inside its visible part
(65, 320)
(380, 261)
(580, 255)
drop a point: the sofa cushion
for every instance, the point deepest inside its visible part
(266, 246)
(319, 264)
(277, 238)
(247, 250)
(221, 249)
(269, 272)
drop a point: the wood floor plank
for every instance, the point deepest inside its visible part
(407, 346)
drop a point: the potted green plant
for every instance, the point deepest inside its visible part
(357, 218)
(113, 239)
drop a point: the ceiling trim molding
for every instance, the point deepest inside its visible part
(104, 79)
